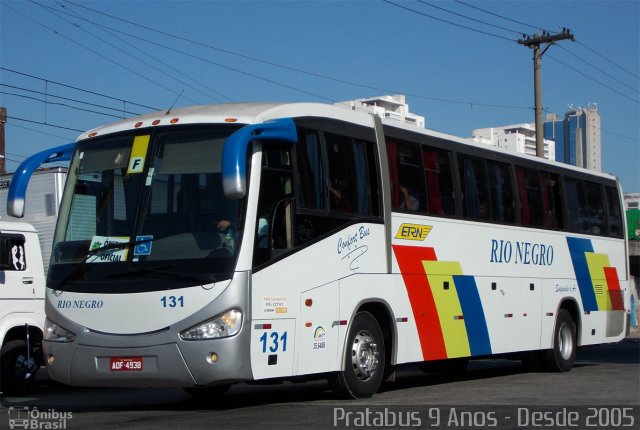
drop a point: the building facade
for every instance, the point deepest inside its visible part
(519, 138)
(393, 107)
(577, 137)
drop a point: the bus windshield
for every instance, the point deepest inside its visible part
(149, 204)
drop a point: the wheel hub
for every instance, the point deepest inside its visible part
(565, 344)
(364, 355)
(25, 367)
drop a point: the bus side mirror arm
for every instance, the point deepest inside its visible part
(234, 152)
(20, 179)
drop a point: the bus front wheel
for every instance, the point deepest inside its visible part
(364, 359)
(18, 367)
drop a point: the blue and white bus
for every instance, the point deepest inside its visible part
(218, 244)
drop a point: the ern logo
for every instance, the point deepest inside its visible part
(413, 231)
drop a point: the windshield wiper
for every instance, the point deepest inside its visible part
(161, 270)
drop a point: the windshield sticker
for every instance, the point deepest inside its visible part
(138, 154)
(143, 245)
(108, 249)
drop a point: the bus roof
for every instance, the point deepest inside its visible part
(253, 113)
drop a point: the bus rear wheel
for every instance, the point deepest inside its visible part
(561, 356)
(364, 359)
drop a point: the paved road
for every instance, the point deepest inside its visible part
(603, 388)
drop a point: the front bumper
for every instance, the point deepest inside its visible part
(167, 360)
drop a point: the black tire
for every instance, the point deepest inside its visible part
(563, 354)
(207, 393)
(364, 359)
(18, 372)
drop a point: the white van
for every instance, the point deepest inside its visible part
(22, 290)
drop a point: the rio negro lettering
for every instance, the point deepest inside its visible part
(516, 252)
(80, 304)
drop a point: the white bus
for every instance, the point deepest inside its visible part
(218, 244)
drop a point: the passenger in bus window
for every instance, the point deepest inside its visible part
(223, 225)
(409, 200)
(338, 196)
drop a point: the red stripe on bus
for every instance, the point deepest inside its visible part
(424, 309)
(613, 284)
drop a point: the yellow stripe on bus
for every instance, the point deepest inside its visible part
(445, 295)
(596, 264)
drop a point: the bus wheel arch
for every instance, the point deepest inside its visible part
(367, 352)
(561, 356)
(381, 311)
(571, 306)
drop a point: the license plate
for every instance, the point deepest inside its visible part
(125, 364)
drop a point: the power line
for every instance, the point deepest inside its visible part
(47, 94)
(40, 132)
(271, 63)
(57, 33)
(608, 60)
(544, 32)
(46, 102)
(448, 22)
(598, 69)
(469, 18)
(593, 79)
(212, 62)
(45, 123)
(635, 75)
(200, 58)
(501, 16)
(635, 139)
(77, 88)
(112, 31)
(124, 51)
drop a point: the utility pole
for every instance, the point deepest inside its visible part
(3, 121)
(534, 42)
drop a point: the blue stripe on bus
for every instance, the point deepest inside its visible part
(474, 319)
(577, 248)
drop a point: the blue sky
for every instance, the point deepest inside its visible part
(321, 51)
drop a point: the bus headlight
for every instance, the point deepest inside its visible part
(224, 325)
(54, 333)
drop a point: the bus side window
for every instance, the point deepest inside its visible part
(614, 212)
(440, 188)
(310, 170)
(274, 225)
(552, 201)
(407, 177)
(594, 216)
(531, 206)
(573, 195)
(367, 177)
(502, 194)
(585, 202)
(473, 180)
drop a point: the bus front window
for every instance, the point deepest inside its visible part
(153, 201)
